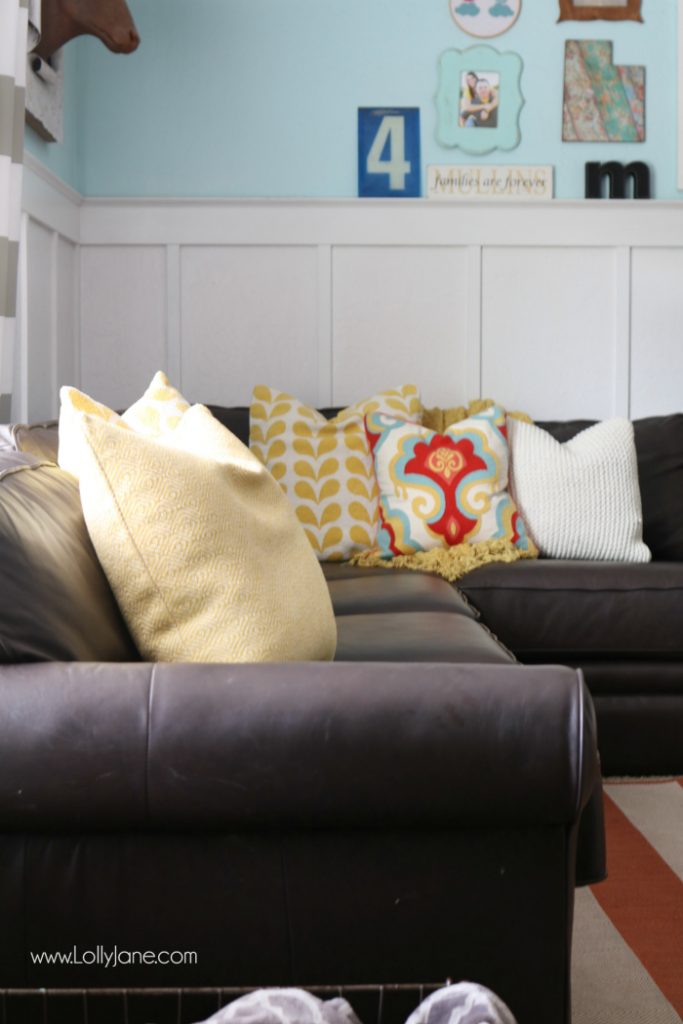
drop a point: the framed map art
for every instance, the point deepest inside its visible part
(603, 101)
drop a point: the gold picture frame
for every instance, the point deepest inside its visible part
(626, 10)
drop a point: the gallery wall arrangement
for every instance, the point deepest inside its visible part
(274, 111)
(479, 101)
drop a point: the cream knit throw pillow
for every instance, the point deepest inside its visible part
(580, 499)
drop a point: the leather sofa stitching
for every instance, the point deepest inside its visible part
(576, 590)
(150, 694)
(285, 897)
(578, 781)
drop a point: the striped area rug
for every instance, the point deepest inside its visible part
(628, 931)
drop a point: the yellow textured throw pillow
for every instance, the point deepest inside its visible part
(157, 412)
(203, 552)
(325, 466)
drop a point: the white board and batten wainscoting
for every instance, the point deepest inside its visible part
(563, 309)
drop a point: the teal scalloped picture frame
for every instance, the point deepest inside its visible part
(482, 126)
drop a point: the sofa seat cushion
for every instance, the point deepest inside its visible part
(417, 636)
(391, 592)
(638, 680)
(349, 571)
(552, 609)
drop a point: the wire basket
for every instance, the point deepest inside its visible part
(373, 1004)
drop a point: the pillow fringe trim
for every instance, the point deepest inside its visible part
(450, 563)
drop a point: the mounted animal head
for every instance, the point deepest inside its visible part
(109, 20)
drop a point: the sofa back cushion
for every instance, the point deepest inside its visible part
(659, 447)
(659, 451)
(39, 439)
(56, 603)
(236, 418)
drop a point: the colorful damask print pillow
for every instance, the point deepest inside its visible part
(325, 466)
(438, 490)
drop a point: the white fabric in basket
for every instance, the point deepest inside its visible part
(464, 1003)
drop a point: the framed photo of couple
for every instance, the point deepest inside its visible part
(479, 99)
(608, 10)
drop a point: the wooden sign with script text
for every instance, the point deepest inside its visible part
(489, 182)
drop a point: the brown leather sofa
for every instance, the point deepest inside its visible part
(620, 623)
(418, 810)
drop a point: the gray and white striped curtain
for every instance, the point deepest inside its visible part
(13, 36)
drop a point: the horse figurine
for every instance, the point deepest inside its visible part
(109, 20)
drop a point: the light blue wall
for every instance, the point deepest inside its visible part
(260, 98)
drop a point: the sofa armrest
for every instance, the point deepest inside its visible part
(106, 746)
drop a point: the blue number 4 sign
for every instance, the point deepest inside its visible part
(388, 151)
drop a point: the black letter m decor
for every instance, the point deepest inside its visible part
(616, 175)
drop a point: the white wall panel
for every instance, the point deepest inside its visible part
(123, 320)
(548, 330)
(657, 332)
(562, 308)
(248, 315)
(67, 369)
(41, 327)
(400, 315)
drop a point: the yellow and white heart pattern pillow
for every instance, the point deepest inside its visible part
(160, 409)
(325, 466)
(155, 414)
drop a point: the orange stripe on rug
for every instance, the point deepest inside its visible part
(643, 898)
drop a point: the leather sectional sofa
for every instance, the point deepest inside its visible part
(619, 623)
(420, 809)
